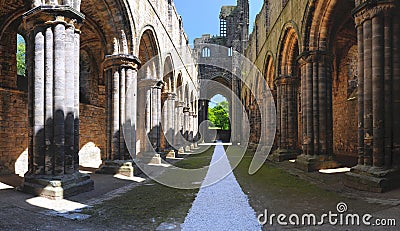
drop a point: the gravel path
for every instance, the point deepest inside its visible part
(221, 206)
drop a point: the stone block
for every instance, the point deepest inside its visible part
(121, 167)
(372, 179)
(57, 187)
(280, 155)
(309, 163)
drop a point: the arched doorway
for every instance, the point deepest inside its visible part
(220, 117)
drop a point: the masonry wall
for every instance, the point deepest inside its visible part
(13, 128)
(93, 127)
(345, 107)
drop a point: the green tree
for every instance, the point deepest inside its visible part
(21, 50)
(219, 115)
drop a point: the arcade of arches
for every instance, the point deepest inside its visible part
(333, 68)
(93, 91)
(89, 65)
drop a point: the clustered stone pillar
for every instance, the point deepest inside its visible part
(179, 130)
(186, 127)
(203, 116)
(120, 71)
(191, 128)
(316, 103)
(150, 114)
(287, 118)
(155, 131)
(53, 74)
(168, 123)
(378, 34)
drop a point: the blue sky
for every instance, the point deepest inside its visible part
(202, 16)
(215, 100)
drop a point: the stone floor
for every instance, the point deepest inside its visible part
(279, 188)
(221, 203)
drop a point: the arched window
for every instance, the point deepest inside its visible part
(22, 81)
(205, 53)
(230, 51)
(21, 49)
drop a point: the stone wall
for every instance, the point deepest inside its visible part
(93, 129)
(13, 128)
(345, 107)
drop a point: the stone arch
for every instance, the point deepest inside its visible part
(97, 41)
(179, 87)
(288, 94)
(148, 44)
(330, 37)
(148, 50)
(288, 51)
(321, 20)
(167, 104)
(105, 12)
(269, 70)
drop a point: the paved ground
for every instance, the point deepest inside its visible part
(280, 188)
(221, 204)
(20, 211)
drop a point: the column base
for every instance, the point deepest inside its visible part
(150, 158)
(188, 148)
(57, 187)
(181, 150)
(281, 155)
(372, 179)
(310, 163)
(171, 154)
(113, 167)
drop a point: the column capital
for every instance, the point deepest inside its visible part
(47, 14)
(75, 4)
(186, 109)
(121, 60)
(171, 96)
(148, 83)
(315, 56)
(367, 9)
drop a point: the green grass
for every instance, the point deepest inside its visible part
(147, 206)
(275, 189)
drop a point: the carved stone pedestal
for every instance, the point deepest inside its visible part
(372, 179)
(310, 163)
(54, 187)
(280, 155)
(121, 167)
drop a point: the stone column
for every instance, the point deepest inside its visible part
(155, 129)
(191, 129)
(168, 121)
(150, 119)
(378, 31)
(179, 130)
(316, 94)
(287, 119)
(186, 127)
(53, 75)
(203, 116)
(119, 71)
